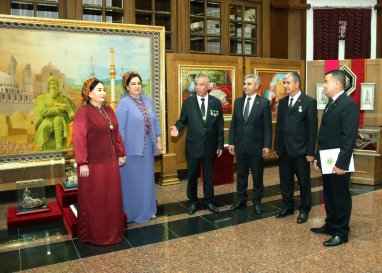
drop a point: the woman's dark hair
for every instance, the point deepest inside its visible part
(126, 78)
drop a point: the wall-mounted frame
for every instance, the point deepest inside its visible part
(322, 98)
(350, 79)
(272, 86)
(221, 87)
(367, 96)
(33, 49)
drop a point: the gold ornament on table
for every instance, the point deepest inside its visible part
(30, 202)
(31, 196)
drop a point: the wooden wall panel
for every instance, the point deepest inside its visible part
(279, 36)
(288, 29)
(5, 7)
(379, 28)
(374, 75)
(266, 31)
(73, 10)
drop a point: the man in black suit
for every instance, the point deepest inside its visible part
(250, 137)
(203, 115)
(295, 143)
(338, 129)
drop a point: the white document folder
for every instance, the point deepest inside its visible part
(329, 159)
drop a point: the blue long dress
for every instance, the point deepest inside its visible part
(137, 176)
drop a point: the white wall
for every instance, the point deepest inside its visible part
(340, 4)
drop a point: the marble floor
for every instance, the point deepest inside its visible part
(238, 241)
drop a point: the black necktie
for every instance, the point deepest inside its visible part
(290, 103)
(246, 109)
(203, 108)
(328, 105)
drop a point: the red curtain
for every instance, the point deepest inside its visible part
(326, 33)
(358, 36)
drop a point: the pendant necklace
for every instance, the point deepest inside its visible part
(105, 116)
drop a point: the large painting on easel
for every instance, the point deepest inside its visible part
(44, 64)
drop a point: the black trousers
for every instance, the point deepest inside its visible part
(194, 164)
(288, 167)
(338, 203)
(255, 163)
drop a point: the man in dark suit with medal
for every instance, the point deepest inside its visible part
(250, 138)
(339, 126)
(295, 143)
(203, 115)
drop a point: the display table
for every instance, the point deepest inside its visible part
(223, 169)
(368, 156)
(367, 169)
(65, 198)
(16, 221)
(70, 221)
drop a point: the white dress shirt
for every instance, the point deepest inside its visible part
(250, 102)
(205, 101)
(295, 98)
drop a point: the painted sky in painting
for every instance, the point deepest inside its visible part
(72, 52)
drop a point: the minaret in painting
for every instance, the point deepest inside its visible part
(112, 79)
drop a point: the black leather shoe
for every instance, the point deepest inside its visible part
(335, 241)
(211, 207)
(321, 230)
(192, 208)
(303, 217)
(257, 208)
(238, 205)
(284, 212)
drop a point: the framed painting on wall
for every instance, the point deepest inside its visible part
(221, 83)
(272, 86)
(33, 50)
(322, 98)
(367, 96)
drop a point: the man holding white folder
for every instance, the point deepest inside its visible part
(338, 130)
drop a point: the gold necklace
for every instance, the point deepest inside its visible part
(105, 116)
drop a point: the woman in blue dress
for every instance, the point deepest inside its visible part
(140, 130)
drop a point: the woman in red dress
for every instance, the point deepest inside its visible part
(99, 151)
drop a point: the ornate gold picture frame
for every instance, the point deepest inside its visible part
(221, 83)
(34, 49)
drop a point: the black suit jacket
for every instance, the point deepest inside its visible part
(296, 128)
(339, 126)
(253, 135)
(203, 137)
